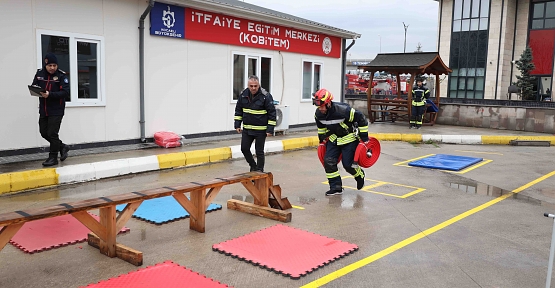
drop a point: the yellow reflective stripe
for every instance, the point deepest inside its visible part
(257, 112)
(322, 130)
(270, 122)
(344, 125)
(359, 172)
(352, 117)
(238, 117)
(346, 139)
(254, 127)
(333, 175)
(363, 129)
(333, 138)
(325, 97)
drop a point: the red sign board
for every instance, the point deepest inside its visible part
(220, 28)
(542, 45)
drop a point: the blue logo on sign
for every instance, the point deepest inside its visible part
(167, 20)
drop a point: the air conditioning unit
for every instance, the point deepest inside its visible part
(282, 118)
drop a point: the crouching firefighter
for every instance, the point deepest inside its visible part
(337, 128)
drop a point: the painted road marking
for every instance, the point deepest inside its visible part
(477, 165)
(361, 263)
(379, 183)
(297, 207)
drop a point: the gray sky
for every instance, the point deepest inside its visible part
(370, 18)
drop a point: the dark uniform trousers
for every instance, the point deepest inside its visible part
(332, 157)
(416, 114)
(49, 127)
(246, 142)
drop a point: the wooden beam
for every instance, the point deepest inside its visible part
(252, 190)
(185, 203)
(123, 252)
(126, 214)
(283, 203)
(399, 85)
(211, 195)
(409, 99)
(198, 198)
(7, 233)
(263, 190)
(108, 220)
(261, 211)
(369, 97)
(91, 223)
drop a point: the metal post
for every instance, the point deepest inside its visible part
(406, 27)
(551, 252)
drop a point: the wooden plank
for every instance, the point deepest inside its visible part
(108, 220)
(198, 198)
(263, 190)
(257, 210)
(211, 195)
(123, 252)
(185, 203)
(281, 202)
(252, 190)
(126, 214)
(91, 223)
(7, 233)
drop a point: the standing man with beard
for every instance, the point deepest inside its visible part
(255, 108)
(52, 104)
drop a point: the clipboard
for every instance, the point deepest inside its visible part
(35, 90)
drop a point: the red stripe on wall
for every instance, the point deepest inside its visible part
(542, 43)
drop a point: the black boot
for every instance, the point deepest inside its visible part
(253, 168)
(334, 191)
(360, 181)
(63, 152)
(51, 161)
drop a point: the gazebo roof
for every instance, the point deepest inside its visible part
(423, 63)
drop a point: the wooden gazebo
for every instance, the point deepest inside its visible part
(403, 63)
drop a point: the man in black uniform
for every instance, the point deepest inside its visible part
(419, 96)
(337, 123)
(255, 108)
(52, 105)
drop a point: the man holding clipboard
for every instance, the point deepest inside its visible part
(51, 85)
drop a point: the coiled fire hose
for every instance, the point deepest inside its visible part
(366, 155)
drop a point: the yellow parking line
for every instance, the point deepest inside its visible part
(477, 152)
(361, 263)
(486, 161)
(297, 207)
(414, 159)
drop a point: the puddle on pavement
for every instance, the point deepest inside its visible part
(346, 201)
(478, 188)
(30, 197)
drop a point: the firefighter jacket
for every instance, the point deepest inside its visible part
(257, 112)
(58, 86)
(419, 95)
(339, 124)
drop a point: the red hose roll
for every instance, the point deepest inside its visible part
(361, 154)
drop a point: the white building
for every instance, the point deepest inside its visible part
(197, 57)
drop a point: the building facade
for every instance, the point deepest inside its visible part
(197, 58)
(481, 40)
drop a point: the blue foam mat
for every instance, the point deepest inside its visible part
(446, 162)
(163, 210)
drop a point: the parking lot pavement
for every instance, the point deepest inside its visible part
(415, 227)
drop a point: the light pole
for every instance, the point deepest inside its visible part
(406, 27)
(380, 42)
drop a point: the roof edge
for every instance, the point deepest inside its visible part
(245, 13)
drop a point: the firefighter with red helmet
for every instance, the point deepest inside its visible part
(337, 123)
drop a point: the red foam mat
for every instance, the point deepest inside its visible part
(286, 250)
(45, 234)
(167, 275)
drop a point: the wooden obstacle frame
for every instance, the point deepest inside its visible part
(258, 184)
(380, 109)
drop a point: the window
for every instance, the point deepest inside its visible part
(312, 80)
(470, 15)
(543, 15)
(469, 49)
(245, 65)
(82, 58)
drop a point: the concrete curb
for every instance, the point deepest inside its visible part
(21, 181)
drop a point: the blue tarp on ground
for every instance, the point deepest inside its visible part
(446, 162)
(163, 210)
(431, 106)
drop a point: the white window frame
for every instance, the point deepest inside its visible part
(313, 62)
(73, 78)
(258, 68)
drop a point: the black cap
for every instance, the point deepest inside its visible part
(50, 59)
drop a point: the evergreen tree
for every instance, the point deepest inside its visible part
(525, 82)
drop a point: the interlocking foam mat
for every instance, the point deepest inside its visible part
(166, 274)
(446, 162)
(45, 234)
(163, 210)
(285, 250)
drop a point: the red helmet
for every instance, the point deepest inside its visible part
(321, 97)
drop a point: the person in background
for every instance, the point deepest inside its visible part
(52, 104)
(255, 109)
(418, 106)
